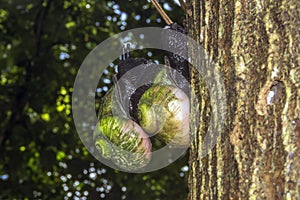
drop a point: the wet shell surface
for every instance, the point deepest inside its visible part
(163, 110)
(121, 140)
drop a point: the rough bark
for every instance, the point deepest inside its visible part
(256, 46)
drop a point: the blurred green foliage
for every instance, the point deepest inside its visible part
(42, 44)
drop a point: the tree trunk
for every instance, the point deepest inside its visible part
(256, 47)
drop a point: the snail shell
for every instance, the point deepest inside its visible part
(119, 139)
(164, 110)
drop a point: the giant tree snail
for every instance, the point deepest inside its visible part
(119, 139)
(164, 111)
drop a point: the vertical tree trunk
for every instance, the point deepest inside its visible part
(256, 46)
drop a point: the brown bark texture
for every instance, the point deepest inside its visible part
(255, 45)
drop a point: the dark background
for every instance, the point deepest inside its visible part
(42, 45)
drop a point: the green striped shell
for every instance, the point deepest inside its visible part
(164, 110)
(119, 139)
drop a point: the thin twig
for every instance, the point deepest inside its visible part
(183, 6)
(162, 12)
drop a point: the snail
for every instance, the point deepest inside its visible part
(119, 139)
(164, 110)
(130, 116)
